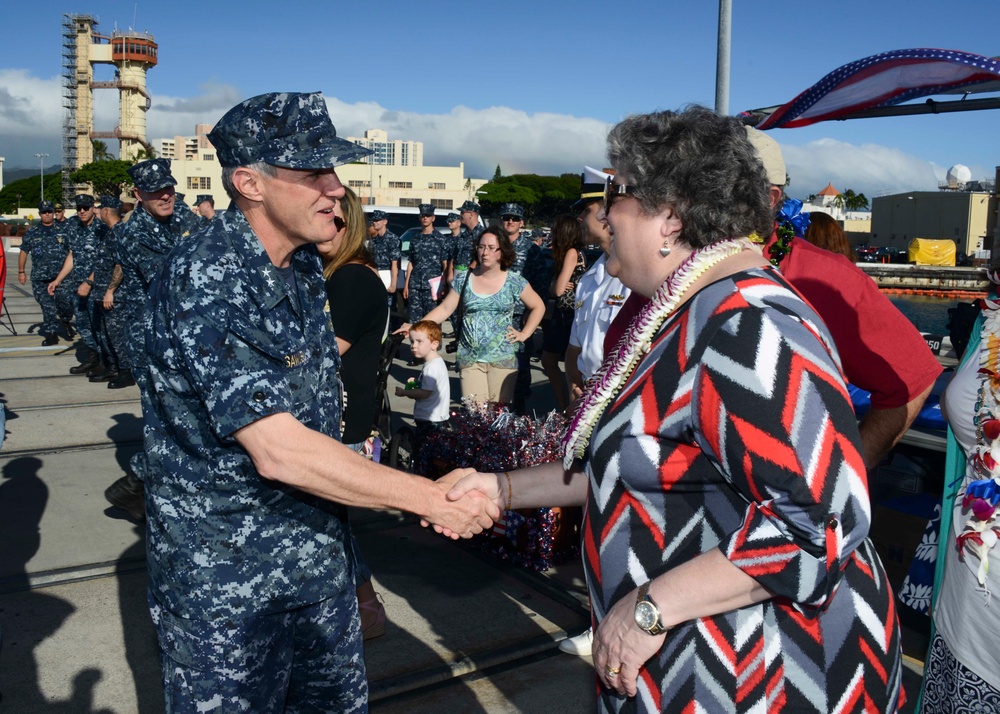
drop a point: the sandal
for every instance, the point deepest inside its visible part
(375, 628)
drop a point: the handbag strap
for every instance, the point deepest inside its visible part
(461, 307)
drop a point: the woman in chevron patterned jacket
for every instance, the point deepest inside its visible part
(716, 450)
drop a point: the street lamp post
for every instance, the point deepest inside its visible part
(18, 202)
(41, 170)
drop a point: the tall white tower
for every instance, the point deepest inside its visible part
(132, 54)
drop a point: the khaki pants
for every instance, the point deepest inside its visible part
(487, 382)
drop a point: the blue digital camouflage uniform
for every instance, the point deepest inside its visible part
(464, 246)
(385, 249)
(522, 387)
(236, 563)
(140, 248)
(109, 328)
(83, 242)
(47, 246)
(427, 254)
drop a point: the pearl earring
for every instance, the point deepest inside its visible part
(665, 250)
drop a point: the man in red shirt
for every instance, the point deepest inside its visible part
(880, 349)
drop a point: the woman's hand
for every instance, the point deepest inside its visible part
(620, 644)
(515, 336)
(404, 329)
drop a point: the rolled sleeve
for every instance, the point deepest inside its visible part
(791, 450)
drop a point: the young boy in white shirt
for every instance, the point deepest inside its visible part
(431, 392)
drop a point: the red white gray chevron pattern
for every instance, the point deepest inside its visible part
(736, 432)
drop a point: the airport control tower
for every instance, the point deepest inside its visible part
(132, 54)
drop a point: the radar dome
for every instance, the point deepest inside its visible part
(958, 175)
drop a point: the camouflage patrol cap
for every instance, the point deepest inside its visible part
(152, 175)
(46, 207)
(288, 129)
(512, 209)
(469, 206)
(202, 197)
(426, 209)
(83, 200)
(379, 216)
(111, 202)
(452, 217)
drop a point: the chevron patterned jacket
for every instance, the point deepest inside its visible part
(736, 432)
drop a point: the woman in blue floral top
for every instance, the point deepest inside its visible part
(488, 341)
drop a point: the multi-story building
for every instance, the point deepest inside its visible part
(390, 153)
(967, 217)
(197, 170)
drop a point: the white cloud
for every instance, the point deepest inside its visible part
(31, 117)
(870, 169)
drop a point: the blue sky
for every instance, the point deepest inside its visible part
(532, 86)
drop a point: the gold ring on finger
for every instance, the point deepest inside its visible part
(612, 671)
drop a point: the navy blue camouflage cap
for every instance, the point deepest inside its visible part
(46, 207)
(179, 197)
(202, 197)
(426, 209)
(512, 209)
(152, 175)
(288, 129)
(379, 215)
(469, 206)
(83, 200)
(111, 202)
(452, 217)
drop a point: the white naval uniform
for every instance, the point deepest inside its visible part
(599, 296)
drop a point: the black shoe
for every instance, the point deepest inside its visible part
(104, 376)
(124, 379)
(85, 367)
(68, 330)
(97, 369)
(127, 493)
(50, 340)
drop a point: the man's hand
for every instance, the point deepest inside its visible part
(22, 278)
(83, 290)
(51, 289)
(109, 300)
(461, 515)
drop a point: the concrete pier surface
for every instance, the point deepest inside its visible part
(465, 633)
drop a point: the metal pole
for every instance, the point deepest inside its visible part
(41, 171)
(722, 58)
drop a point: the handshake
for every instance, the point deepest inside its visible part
(470, 502)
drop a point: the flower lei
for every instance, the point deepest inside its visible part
(620, 363)
(982, 530)
(791, 222)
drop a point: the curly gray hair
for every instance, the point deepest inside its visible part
(698, 164)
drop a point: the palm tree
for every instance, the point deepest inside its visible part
(101, 152)
(144, 154)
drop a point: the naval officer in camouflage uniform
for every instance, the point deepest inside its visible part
(48, 247)
(151, 232)
(84, 232)
(107, 328)
(251, 580)
(472, 227)
(429, 254)
(386, 251)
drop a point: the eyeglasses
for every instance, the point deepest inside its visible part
(612, 189)
(487, 248)
(83, 208)
(511, 219)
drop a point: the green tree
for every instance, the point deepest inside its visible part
(101, 152)
(107, 177)
(30, 189)
(496, 174)
(144, 155)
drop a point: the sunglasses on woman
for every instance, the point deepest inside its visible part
(612, 189)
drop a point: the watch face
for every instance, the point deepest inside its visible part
(645, 615)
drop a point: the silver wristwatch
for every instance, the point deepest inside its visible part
(647, 614)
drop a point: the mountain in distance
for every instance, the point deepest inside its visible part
(10, 174)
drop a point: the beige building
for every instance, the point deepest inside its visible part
(390, 153)
(197, 170)
(966, 217)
